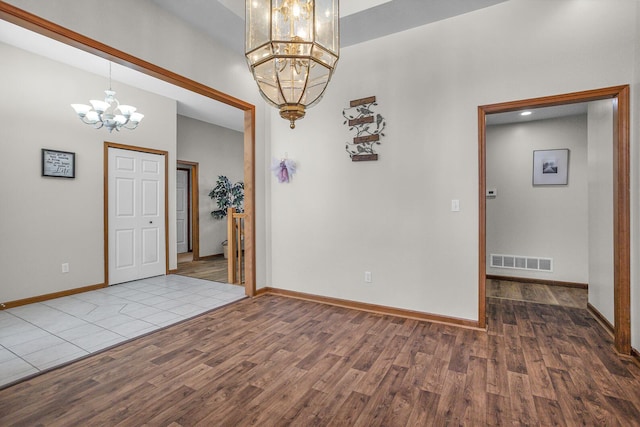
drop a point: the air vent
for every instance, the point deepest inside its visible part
(520, 262)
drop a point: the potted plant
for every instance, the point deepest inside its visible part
(226, 195)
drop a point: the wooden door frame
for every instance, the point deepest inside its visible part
(64, 35)
(195, 204)
(163, 153)
(621, 198)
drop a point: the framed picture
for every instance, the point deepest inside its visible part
(551, 167)
(61, 164)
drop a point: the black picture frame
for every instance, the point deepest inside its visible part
(551, 167)
(58, 164)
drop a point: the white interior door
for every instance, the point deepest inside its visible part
(182, 210)
(136, 215)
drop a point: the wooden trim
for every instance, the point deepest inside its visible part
(47, 28)
(211, 257)
(195, 211)
(195, 206)
(249, 201)
(621, 223)
(105, 211)
(262, 291)
(553, 100)
(190, 234)
(374, 308)
(601, 319)
(635, 354)
(46, 297)
(541, 281)
(482, 220)
(173, 271)
(166, 214)
(54, 31)
(231, 246)
(140, 149)
(621, 196)
(108, 145)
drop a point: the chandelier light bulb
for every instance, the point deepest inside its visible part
(292, 49)
(108, 113)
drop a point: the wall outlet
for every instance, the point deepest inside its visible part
(367, 276)
(65, 267)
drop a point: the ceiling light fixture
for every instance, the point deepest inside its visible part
(292, 48)
(108, 113)
(526, 113)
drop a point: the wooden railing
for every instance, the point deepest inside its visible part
(235, 242)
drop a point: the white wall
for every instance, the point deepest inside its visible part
(538, 221)
(49, 221)
(218, 151)
(600, 157)
(146, 31)
(392, 217)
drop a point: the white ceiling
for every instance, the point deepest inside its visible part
(542, 113)
(223, 20)
(361, 20)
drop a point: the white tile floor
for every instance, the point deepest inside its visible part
(40, 336)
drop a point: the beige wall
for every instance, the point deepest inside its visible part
(218, 151)
(600, 207)
(49, 221)
(392, 217)
(538, 221)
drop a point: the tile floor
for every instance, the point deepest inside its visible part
(39, 336)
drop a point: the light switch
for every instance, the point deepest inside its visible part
(455, 205)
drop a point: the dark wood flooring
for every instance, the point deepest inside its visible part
(534, 292)
(212, 268)
(275, 361)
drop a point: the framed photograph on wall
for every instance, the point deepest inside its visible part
(60, 164)
(551, 167)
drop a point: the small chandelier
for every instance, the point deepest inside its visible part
(292, 48)
(108, 113)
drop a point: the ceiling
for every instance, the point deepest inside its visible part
(360, 20)
(223, 20)
(542, 113)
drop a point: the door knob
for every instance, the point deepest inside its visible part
(150, 222)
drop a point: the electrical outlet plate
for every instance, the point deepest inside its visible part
(65, 267)
(367, 276)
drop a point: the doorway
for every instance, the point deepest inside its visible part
(621, 198)
(193, 212)
(183, 209)
(56, 32)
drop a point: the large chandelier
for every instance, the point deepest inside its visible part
(292, 48)
(108, 113)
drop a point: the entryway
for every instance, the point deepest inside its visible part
(621, 197)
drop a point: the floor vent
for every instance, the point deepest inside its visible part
(520, 262)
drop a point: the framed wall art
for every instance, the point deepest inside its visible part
(60, 164)
(551, 167)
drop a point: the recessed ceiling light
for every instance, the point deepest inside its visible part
(525, 113)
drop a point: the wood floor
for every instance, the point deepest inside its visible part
(212, 268)
(275, 361)
(534, 292)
